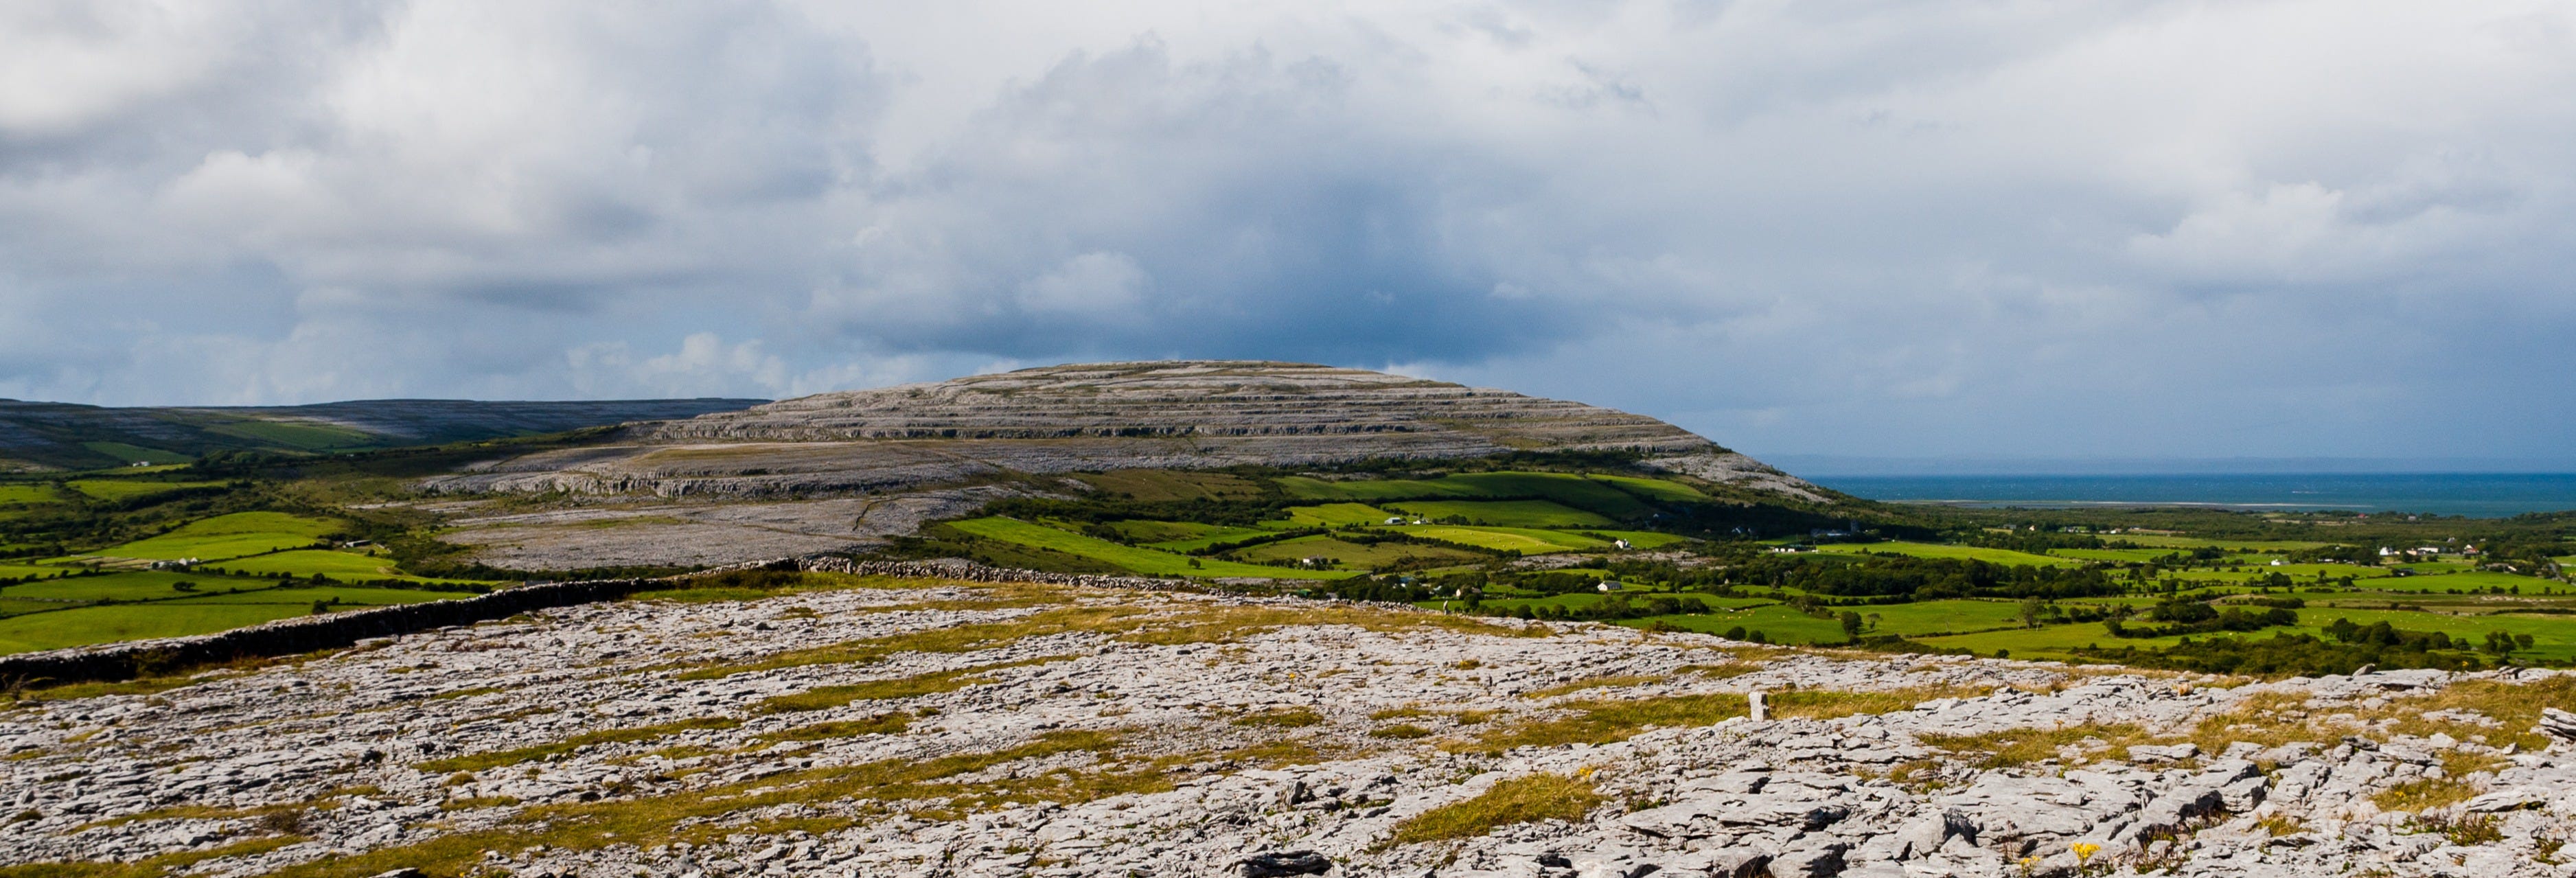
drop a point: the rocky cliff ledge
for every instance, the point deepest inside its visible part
(900, 727)
(1150, 415)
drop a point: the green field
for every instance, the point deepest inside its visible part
(133, 453)
(1181, 536)
(21, 571)
(2553, 638)
(1615, 498)
(1332, 515)
(1527, 541)
(1929, 617)
(1503, 513)
(303, 597)
(1352, 555)
(1778, 624)
(229, 536)
(306, 435)
(1643, 539)
(2478, 580)
(2116, 556)
(120, 489)
(1653, 489)
(2006, 557)
(2054, 641)
(2196, 543)
(1141, 560)
(344, 566)
(200, 615)
(24, 493)
(88, 625)
(1582, 599)
(139, 585)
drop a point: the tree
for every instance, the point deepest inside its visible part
(1851, 624)
(2499, 643)
(2031, 608)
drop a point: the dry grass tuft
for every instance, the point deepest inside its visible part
(827, 697)
(2012, 747)
(2279, 825)
(2466, 831)
(926, 785)
(952, 639)
(1518, 800)
(1604, 721)
(1283, 718)
(1601, 722)
(1230, 624)
(881, 724)
(499, 758)
(2416, 796)
(1596, 683)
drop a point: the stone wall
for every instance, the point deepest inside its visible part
(119, 661)
(122, 661)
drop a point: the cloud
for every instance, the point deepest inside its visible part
(2139, 228)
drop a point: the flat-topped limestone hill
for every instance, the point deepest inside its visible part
(1215, 399)
(1184, 414)
(837, 470)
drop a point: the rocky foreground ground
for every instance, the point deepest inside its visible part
(921, 727)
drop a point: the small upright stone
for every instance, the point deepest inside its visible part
(1761, 711)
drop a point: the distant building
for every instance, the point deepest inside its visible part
(1619, 544)
(1395, 519)
(1609, 585)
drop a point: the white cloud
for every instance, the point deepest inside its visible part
(2014, 228)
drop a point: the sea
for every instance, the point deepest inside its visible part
(2475, 495)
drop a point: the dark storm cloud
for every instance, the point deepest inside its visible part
(2135, 229)
(1271, 219)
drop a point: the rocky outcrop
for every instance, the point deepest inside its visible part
(1154, 415)
(952, 727)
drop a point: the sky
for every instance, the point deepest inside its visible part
(2256, 228)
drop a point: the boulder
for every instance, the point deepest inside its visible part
(1278, 864)
(2557, 724)
(1821, 861)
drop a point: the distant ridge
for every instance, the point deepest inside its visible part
(58, 436)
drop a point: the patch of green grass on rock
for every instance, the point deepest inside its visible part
(499, 758)
(1518, 800)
